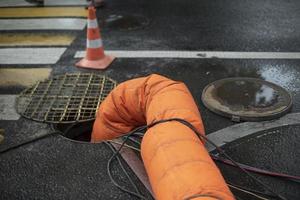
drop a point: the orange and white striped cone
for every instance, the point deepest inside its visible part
(94, 57)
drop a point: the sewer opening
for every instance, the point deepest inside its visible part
(78, 132)
(82, 132)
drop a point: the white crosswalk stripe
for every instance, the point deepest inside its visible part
(42, 24)
(23, 3)
(199, 54)
(30, 55)
(7, 108)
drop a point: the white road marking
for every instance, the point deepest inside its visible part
(200, 54)
(15, 3)
(30, 55)
(65, 2)
(43, 24)
(7, 107)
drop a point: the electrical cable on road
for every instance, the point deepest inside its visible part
(252, 192)
(248, 191)
(188, 124)
(116, 155)
(228, 162)
(137, 192)
(55, 132)
(201, 137)
(125, 145)
(257, 170)
(30, 141)
(239, 188)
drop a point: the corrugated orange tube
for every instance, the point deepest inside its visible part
(176, 161)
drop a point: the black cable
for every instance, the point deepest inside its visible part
(235, 186)
(137, 192)
(38, 138)
(252, 190)
(285, 177)
(202, 137)
(134, 141)
(30, 141)
(115, 155)
(188, 124)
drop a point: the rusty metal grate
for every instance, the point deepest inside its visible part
(65, 98)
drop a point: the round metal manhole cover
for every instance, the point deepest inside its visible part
(125, 22)
(246, 99)
(68, 98)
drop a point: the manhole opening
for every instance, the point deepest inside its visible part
(78, 132)
(124, 22)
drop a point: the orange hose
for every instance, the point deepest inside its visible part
(176, 161)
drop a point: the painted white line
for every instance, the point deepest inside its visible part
(15, 3)
(7, 107)
(65, 2)
(200, 54)
(30, 55)
(43, 24)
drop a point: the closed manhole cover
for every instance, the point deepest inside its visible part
(65, 98)
(247, 99)
(125, 22)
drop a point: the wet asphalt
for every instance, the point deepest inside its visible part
(209, 25)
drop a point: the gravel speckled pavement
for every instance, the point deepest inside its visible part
(58, 168)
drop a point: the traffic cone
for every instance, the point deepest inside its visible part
(95, 57)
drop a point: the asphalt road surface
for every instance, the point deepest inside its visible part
(56, 168)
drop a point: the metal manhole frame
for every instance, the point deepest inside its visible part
(239, 118)
(238, 131)
(101, 97)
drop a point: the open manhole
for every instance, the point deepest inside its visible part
(246, 99)
(68, 98)
(79, 132)
(125, 22)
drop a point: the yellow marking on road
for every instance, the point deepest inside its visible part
(35, 39)
(43, 12)
(22, 77)
(1, 138)
(1, 135)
